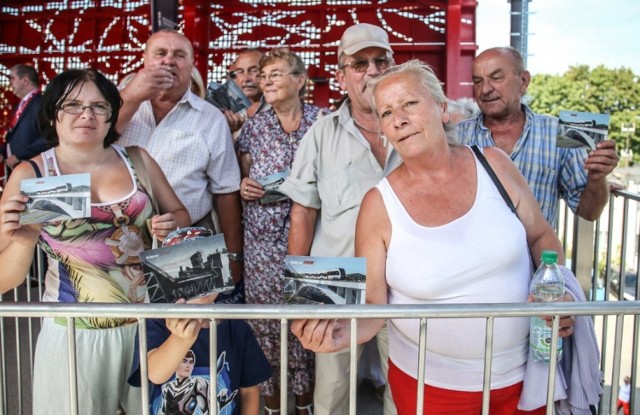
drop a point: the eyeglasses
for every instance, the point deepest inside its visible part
(78, 108)
(239, 72)
(361, 65)
(273, 76)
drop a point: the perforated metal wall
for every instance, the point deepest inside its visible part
(110, 34)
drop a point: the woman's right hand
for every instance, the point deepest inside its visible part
(163, 225)
(11, 227)
(322, 336)
(250, 189)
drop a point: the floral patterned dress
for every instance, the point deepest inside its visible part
(266, 230)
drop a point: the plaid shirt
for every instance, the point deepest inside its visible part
(551, 172)
(193, 146)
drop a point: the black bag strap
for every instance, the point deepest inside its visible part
(483, 160)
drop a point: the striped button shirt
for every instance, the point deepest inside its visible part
(551, 172)
(193, 146)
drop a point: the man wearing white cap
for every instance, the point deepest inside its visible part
(341, 157)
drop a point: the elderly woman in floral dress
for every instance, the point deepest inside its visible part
(267, 145)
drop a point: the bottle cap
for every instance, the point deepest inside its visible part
(549, 257)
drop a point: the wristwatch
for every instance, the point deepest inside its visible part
(236, 256)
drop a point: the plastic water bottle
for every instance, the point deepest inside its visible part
(547, 286)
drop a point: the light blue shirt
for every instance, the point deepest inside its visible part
(552, 172)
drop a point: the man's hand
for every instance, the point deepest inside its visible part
(598, 164)
(149, 82)
(234, 120)
(602, 160)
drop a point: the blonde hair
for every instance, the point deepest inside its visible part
(197, 85)
(424, 72)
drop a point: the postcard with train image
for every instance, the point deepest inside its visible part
(271, 184)
(56, 198)
(195, 264)
(324, 280)
(582, 129)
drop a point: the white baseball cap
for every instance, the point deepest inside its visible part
(361, 36)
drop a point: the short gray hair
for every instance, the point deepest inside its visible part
(424, 72)
(429, 82)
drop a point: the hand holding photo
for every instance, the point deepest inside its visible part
(271, 184)
(191, 263)
(55, 198)
(227, 96)
(582, 129)
(324, 280)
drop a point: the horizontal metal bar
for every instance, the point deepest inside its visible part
(225, 311)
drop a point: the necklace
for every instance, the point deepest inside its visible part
(381, 136)
(378, 132)
(362, 127)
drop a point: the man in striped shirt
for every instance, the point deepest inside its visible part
(575, 175)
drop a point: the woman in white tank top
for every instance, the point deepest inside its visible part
(437, 231)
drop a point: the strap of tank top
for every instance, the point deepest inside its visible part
(35, 168)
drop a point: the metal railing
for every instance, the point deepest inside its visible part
(597, 251)
(610, 309)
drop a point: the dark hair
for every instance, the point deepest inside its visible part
(28, 71)
(59, 89)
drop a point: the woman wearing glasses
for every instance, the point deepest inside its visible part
(91, 259)
(267, 145)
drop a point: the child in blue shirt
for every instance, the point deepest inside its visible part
(178, 366)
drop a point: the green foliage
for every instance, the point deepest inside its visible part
(603, 90)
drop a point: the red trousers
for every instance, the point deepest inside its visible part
(624, 405)
(438, 401)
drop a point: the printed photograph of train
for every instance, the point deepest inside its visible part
(271, 184)
(581, 129)
(324, 280)
(56, 198)
(190, 269)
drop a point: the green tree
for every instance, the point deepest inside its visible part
(603, 90)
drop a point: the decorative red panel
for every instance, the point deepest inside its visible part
(110, 34)
(312, 28)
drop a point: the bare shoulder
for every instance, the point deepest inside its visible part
(495, 156)
(502, 164)
(26, 170)
(373, 215)
(372, 202)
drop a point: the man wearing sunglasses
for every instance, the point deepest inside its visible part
(341, 157)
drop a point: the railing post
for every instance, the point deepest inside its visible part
(582, 253)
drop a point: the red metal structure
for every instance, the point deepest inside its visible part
(109, 34)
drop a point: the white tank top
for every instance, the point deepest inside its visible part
(480, 257)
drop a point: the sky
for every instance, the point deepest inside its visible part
(564, 33)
